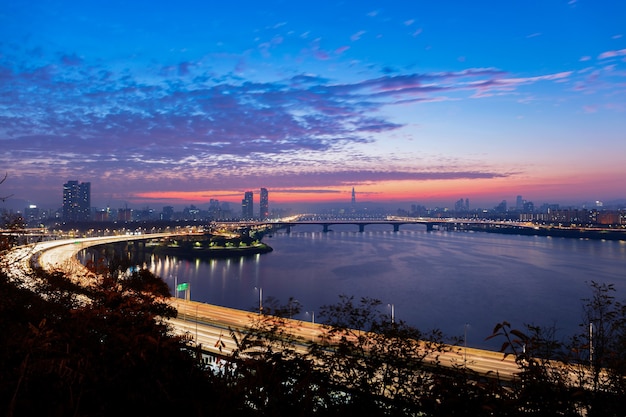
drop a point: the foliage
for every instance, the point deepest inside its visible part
(112, 355)
(584, 376)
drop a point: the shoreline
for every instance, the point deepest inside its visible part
(213, 252)
(601, 234)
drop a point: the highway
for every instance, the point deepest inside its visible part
(198, 317)
(211, 325)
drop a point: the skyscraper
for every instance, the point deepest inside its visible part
(76, 201)
(264, 209)
(247, 205)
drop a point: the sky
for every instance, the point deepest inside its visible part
(410, 102)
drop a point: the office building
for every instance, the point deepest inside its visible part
(76, 201)
(264, 209)
(247, 206)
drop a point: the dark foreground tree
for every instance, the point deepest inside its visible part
(104, 350)
(583, 377)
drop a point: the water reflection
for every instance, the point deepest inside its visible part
(434, 279)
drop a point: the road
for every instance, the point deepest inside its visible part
(211, 325)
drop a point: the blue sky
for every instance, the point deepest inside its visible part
(425, 102)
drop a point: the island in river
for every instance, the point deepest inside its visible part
(211, 246)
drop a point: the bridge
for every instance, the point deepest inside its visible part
(393, 221)
(360, 223)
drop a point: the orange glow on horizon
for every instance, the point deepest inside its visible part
(479, 191)
(384, 191)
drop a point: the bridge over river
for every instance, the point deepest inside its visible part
(394, 222)
(482, 225)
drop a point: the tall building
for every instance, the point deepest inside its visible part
(76, 201)
(247, 206)
(264, 208)
(519, 203)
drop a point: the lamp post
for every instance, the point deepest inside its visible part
(260, 300)
(393, 313)
(465, 345)
(590, 343)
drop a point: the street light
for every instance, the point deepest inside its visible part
(393, 313)
(590, 343)
(260, 300)
(465, 343)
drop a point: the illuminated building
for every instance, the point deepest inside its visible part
(247, 206)
(264, 210)
(76, 201)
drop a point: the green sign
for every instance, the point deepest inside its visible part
(182, 287)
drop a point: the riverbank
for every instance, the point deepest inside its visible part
(575, 233)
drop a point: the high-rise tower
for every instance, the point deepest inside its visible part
(264, 210)
(76, 201)
(247, 205)
(353, 197)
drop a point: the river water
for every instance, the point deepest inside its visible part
(460, 282)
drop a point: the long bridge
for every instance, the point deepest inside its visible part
(394, 222)
(483, 225)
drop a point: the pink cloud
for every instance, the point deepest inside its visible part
(357, 35)
(590, 109)
(341, 49)
(321, 55)
(612, 54)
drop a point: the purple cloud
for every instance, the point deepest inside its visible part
(184, 123)
(612, 54)
(356, 36)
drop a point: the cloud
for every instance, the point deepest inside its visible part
(355, 37)
(341, 50)
(511, 84)
(312, 182)
(612, 54)
(161, 127)
(72, 60)
(590, 109)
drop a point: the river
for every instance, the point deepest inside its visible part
(460, 282)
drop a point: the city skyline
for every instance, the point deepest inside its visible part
(419, 103)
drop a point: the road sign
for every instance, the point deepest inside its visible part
(182, 287)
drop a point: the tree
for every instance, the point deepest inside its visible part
(102, 350)
(584, 376)
(600, 351)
